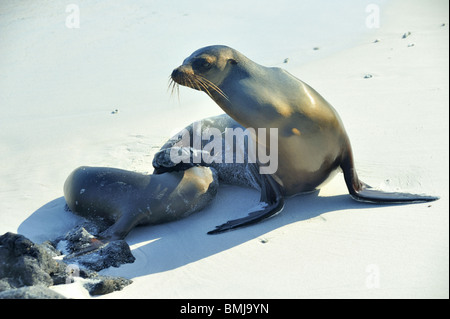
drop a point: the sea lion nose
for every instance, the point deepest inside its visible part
(181, 72)
(175, 73)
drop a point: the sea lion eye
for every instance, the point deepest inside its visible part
(202, 65)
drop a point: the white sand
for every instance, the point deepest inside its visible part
(59, 86)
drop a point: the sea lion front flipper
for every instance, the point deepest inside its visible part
(272, 203)
(120, 229)
(362, 192)
(252, 218)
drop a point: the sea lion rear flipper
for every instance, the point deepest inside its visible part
(370, 195)
(272, 200)
(362, 192)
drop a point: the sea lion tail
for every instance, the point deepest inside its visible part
(362, 192)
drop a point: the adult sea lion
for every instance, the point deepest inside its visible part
(126, 199)
(312, 141)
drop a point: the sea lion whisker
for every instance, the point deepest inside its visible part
(170, 85)
(173, 86)
(191, 84)
(208, 83)
(217, 89)
(204, 86)
(201, 86)
(195, 83)
(176, 87)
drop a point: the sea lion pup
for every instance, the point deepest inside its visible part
(126, 199)
(312, 141)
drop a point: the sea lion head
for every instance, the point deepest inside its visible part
(205, 69)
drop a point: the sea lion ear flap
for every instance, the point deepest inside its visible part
(232, 61)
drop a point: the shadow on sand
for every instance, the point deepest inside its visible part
(168, 246)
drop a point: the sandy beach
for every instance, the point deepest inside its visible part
(96, 93)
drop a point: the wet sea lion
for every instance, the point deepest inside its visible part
(312, 142)
(125, 199)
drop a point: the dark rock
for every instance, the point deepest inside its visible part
(406, 34)
(92, 254)
(24, 263)
(111, 254)
(78, 239)
(105, 285)
(33, 292)
(27, 269)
